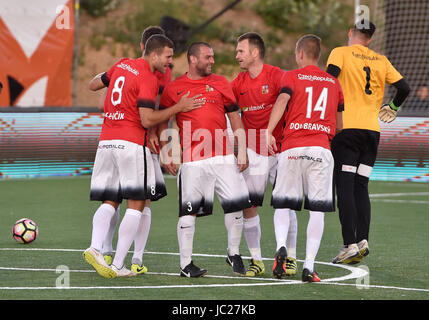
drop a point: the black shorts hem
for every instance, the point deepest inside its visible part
(236, 205)
(256, 199)
(286, 203)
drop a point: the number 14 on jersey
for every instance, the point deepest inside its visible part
(320, 104)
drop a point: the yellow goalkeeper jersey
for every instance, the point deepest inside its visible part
(363, 76)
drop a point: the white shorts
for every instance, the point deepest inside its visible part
(199, 180)
(308, 169)
(160, 188)
(122, 170)
(261, 168)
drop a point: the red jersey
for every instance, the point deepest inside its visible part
(163, 79)
(131, 85)
(256, 98)
(203, 131)
(311, 115)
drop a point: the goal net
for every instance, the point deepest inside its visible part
(403, 36)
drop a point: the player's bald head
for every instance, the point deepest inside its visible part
(311, 45)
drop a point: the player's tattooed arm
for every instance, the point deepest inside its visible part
(97, 83)
(101, 101)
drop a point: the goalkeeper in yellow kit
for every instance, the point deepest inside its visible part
(362, 74)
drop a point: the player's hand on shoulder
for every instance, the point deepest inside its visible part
(190, 103)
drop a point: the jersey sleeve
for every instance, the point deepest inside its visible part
(105, 77)
(287, 83)
(164, 79)
(147, 94)
(392, 75)
(221, 84)
(166, 98)
(235, 86)
(277, 77)
(336, 58)
(229, 99)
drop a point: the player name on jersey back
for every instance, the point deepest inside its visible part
(131, 85)
(310, 126)
(315, 99)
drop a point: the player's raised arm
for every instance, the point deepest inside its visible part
(101, 101)
(97, 83)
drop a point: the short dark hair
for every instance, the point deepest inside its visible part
(255, 40)
(150, 31)
(194, 48)
(311, 44)
(157, 43)
(365, 27)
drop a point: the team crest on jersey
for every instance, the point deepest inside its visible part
(209, 88)
(265, 89)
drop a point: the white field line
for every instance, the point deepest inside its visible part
(400, 201)
(355, 273)
(375, 197)
(399, 194)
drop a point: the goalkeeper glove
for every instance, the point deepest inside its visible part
(388, 112)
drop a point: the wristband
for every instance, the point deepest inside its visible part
(392, 106)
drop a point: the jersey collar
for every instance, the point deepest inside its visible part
(312, 68)
(146, 65)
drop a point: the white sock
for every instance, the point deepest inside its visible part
(292, 234)
(185, 236)
(141, 236)
(281, 226)
(100, 225)
(127, 233)
(234, 228)
(108, 241)
(314, 236)
(252, 234)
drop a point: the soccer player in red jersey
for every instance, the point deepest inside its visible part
(121, 169)
(256, 90)
(208, 163)
(315, 103)
(160, 188)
